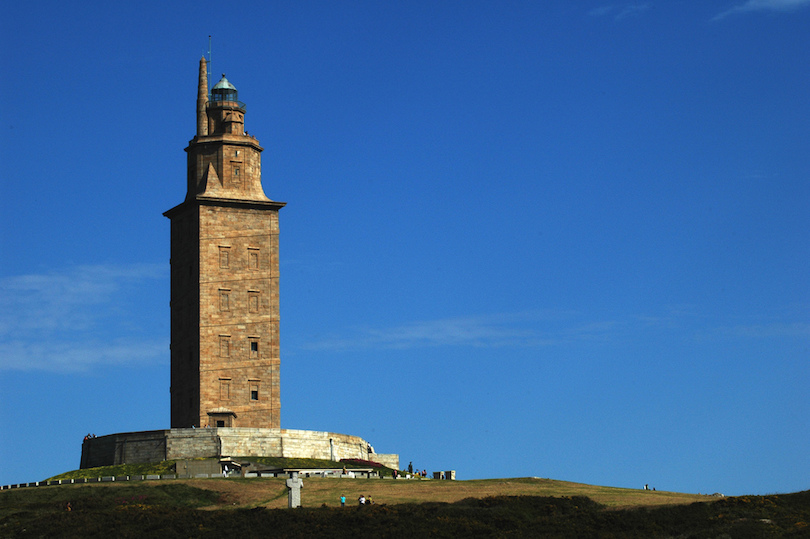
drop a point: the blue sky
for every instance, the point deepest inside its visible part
(563, 239)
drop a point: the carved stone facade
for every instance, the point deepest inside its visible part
(224, 276)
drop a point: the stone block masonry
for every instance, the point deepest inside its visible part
(177, 444)
(130, 447)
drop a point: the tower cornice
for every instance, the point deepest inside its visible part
(225, 138)
(223, 202)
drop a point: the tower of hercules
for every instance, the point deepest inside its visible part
(224, 275)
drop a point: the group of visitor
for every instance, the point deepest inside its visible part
(423, 473)
(362, 500)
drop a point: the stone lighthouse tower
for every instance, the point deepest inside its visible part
(224, 313)
(224, 275)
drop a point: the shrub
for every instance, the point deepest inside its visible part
(361, 462)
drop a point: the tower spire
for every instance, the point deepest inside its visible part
(202, 99)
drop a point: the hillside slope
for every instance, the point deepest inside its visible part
(482, 508)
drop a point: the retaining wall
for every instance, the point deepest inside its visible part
(175, 444)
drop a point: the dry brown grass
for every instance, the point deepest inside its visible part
(272, 492)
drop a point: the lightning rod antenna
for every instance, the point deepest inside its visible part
(209, 57)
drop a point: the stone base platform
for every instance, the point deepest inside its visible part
(219, 442)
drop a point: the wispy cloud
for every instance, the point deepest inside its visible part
(539, 329)
(78, 356)
(601, 11)
(762, 5)
(776, 329)
(620, 11)
(528, 329)
(632, 11)
(72, 319)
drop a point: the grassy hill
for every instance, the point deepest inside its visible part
(482, 508)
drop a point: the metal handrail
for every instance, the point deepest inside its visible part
(211, 101)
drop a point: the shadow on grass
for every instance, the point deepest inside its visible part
(170, 511)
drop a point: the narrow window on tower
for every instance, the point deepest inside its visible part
(224, 389)
(224, 346)
(253, 259)
(253, 301)
(254, 347)
(254, 390)
(224, 257)
(224, 300)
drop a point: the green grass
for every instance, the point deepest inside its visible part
(172, 509)
(96, 498)
(153, 468)
(517, 507)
